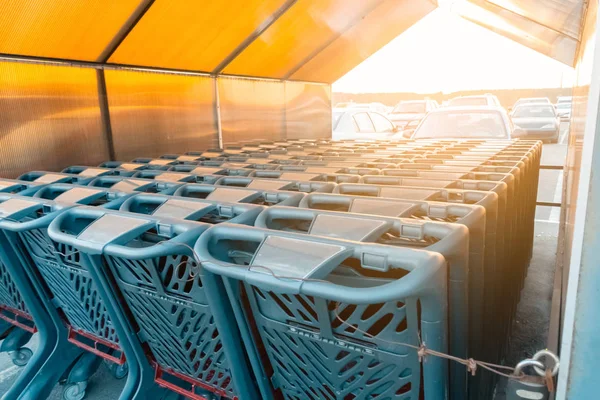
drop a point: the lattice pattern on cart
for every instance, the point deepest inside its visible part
(70, 284)
(9, 293)
(317, 356)
(168, 302)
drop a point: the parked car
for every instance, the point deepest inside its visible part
(485, 122)
(352, 123)
(563, 110)
(564, 99)
(408, 114)
(531, 100)
(473, 101)
(536, 121)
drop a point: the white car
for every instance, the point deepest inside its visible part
(485, 122)
(531, 100)
(408, 114)
(352, 123)
(536, 121)
(563, 109)
(475, 101)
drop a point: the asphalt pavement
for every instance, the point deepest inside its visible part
(531, 324)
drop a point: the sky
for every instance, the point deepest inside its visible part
(445, 53)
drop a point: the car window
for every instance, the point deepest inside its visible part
(382, 124)
(363, 122)
(534, 111)
(469, 124)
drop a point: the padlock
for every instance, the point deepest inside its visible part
(538, 386)
(528, 388)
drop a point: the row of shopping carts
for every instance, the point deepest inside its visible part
(300, 269)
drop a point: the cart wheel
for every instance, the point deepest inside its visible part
(118, 371)
(21, 357)
(74, 391)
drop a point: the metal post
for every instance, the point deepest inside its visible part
(580, 350)
(105, 113)
(218, 111)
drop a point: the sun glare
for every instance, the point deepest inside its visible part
(446, 53)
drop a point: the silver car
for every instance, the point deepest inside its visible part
(475, 100)
(563, 110)
(536, 121)
(351, 123)
(484, 122)
(408, 114)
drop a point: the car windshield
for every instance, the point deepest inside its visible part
(563, 106)
(533, 100)
(462, 124)
(468, 101)
(410, 108)
(538, 111)
(336, 116)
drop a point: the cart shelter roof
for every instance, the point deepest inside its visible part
(306, 40)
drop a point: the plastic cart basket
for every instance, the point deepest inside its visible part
(510, 274)
(155, 163)
(313, 354)
(251, 163)
(520, 211)
(276, 184)
(207, 211)
(162, 300)
(209, 168)
(15, 186)
(65, 193)
(361, 162)
(186, 159)
(167, 176)
(211, 154)
(134, 185)
(93, 172)
(128, 166)
(449, 239)
(329, 170)
(239, 195)
(474, 217)
(45, 177)
(72, 319)
(305, 176)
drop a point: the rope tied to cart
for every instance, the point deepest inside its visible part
(471, 364)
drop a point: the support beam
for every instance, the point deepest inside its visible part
(217, 107)
(127, 27)
(248, 41)
(105, 113)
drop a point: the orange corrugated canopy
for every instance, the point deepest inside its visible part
(310, 40)
(306, 40)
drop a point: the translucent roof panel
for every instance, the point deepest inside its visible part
(563, 16)
(382, 24)
(551, 27)
(307, 27)
(192, 35)
(77, 30)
